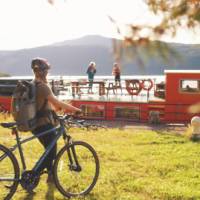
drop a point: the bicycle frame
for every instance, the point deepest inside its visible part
(60, 130)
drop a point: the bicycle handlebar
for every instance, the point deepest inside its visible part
(68, 116)
(59, 117)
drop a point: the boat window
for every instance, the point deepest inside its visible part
(7, 90)
(131, 113)
(8, 82)
(93, 110)
(7, 86)
(190, 86)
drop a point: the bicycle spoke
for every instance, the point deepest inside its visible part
(76, 180)
(9, 174)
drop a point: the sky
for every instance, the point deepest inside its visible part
(32, 23)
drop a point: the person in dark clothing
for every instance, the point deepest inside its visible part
(45, 140)
(116, 72)
(91, 71)
(47, 103)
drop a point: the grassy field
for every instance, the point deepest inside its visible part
(135, 165)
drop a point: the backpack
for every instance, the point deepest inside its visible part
(23, 105)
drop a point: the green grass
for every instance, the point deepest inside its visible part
(135, 165)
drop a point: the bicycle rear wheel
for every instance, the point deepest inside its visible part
(9, 173)
(72, 179)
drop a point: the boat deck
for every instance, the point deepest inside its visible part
(143, 97)
(108, 91)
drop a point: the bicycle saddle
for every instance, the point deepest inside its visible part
(8, 124)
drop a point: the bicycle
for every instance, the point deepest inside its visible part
(75, 171)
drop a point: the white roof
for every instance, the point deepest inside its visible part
(16, 77)
(182, 71)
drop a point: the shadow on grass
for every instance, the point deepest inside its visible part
(50, 191)
(49, 195)
(158, 143)
(165, 140)
(29, 196)
(91, 196)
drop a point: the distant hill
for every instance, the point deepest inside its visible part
(71, 57)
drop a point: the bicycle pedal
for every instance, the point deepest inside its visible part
(44, 172)
(8, 186)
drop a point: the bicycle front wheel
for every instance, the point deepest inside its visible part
(9, 173)
(76, 169)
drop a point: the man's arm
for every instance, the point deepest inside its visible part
(61, 105)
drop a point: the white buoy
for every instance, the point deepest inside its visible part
(195, 124)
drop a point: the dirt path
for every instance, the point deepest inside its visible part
(180, 128)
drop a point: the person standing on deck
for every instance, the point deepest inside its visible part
(116, 72)
(91, 71)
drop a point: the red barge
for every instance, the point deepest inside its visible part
(139, 100)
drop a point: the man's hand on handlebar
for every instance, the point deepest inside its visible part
(78, 113)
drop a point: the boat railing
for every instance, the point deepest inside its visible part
(100, 88)
(106, 88)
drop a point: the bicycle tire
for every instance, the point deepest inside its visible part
(7, 158)
(61, 176)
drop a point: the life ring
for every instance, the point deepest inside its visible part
(148, 86)
(133, 87)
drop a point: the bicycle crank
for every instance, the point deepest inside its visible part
(29, 180)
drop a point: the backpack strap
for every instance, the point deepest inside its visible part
(42, 112)
(50, 114)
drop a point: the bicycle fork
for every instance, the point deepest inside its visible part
(74, 164)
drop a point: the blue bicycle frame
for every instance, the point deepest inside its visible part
(58, 131)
